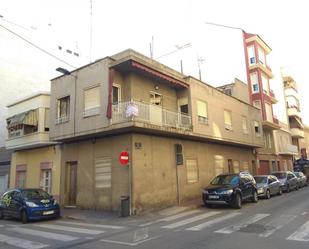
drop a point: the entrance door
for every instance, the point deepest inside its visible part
(264, 168)
(71, 183)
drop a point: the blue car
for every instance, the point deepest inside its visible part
(28, 204)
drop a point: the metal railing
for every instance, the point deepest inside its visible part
(153, 114)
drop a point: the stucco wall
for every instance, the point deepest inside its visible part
(85, 153)
(154, 169)
(217, 102)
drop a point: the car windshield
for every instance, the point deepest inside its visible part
(35, 194)
(225, 180)
(297, 174)
(260, 179)
(280, 175)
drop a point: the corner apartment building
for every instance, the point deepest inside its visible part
(35, 160)
(262, 97)
(179, 133)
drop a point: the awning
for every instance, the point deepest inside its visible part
(27, 118)
(160, 75)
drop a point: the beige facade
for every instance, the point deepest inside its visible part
(128, 102)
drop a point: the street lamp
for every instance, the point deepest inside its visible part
(63, 71)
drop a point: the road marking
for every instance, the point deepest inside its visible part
(190, 220)
(245, 223)
(277, 224)
(47, 235)
(304, 213)
(128, 243)
(301, 234)
(21, 243)
(212, 222)
(171, 218)
(70, 229)
(90, 225)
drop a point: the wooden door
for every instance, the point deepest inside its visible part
(71, 183)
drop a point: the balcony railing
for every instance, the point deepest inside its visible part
(153, 114)
(288, 149)
(297, 133)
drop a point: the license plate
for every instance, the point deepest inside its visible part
(48, 212)
(213, 197)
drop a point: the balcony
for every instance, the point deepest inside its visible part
(151, 114)
(297, 133)
(288, 149)
(18, 140)
(293, 111)
(263, 68)
(268, 125)
(273, 97)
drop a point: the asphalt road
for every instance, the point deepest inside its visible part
(281, 222)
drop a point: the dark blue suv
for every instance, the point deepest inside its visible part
(28, 204)
(230, 189)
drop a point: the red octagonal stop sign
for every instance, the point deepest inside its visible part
(124, 158)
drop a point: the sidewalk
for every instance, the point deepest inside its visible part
(98, 216)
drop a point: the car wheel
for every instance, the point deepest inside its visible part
(208, 205)
(280, 191)
(1, 214)
(288, 189)
(297, 187)
(237, 202)
(267, 194)
(255, 197)
(24, 217)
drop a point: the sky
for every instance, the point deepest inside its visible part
(98, 28)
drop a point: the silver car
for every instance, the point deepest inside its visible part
(302, 179)
(268, 185)
(287, 179)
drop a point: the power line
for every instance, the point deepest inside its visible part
(37, 47)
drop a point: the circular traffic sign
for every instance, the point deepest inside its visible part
(124, 158)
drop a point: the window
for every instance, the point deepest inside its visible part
(246, 166)
(46, 177)
(21, 179)
(155, 99)
(254, 82)
(269, 114)
(179, 156)
(261, 56)
(192, 171)
(265, 85)
(116, 94)
(202, 114)
(228, 120)
(257, 128)
(244, 125)
(235, 166)
(103, 172)
(269, 140)
(63, 110)
(257, 104)
(251, 55)
(92, 101)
